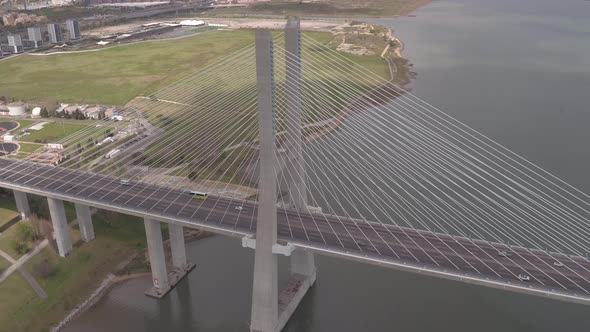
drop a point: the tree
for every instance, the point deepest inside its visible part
(50, 104)
(20, 247)
(24, 232)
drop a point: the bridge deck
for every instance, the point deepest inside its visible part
(403, 248)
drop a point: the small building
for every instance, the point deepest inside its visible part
(35, 36)
(15, 44)
(55, 35)
(74, 29)
(92, 112)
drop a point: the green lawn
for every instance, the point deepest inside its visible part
(8, 238)
(74, 277)
(28, 148)
(7, 208)
(16, 293)
(116, 75)
(4, 264)
(52, 132)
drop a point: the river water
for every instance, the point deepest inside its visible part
(518, 71)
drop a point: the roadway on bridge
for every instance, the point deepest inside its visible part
(457, 255)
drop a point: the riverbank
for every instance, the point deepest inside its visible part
(328, 8)
(135, 266)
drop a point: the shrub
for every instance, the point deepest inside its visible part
(24, 232)
(20, 247)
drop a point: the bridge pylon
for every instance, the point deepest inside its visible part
(271, 309)
(302, 262)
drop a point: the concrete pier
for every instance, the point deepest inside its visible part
(22, 204)
(60, 226)
(177, 245)
(153, 232)
(302, 263)
(163, 279)
(265, 286)
(84, 218)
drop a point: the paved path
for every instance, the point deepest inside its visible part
(17, 265)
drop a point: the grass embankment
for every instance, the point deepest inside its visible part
(341, 8)
(68, 281)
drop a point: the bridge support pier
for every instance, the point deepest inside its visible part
(164, 280)
(177, 245)
(153, 232)
(181, 266)
(84, 218)
(22, 204)
(60, 226)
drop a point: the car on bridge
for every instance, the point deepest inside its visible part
(198, 194)
(524, 277)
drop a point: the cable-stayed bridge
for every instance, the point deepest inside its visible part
(298, 150)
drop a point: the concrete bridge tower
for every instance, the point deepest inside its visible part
(272, 309)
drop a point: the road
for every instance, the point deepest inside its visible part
(371, 241)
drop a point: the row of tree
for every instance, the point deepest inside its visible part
(77, 114)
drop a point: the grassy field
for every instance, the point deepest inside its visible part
(342, 8)
(115, 75)
(7, 209)
(73, 278)
(4, 264)
(52, 132)
(28, 148)
(8, 238)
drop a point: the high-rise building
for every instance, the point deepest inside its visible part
(74, 29)
(15, 43)
(55, 35)
(35, 36)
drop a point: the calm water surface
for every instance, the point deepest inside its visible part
(517, 71)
